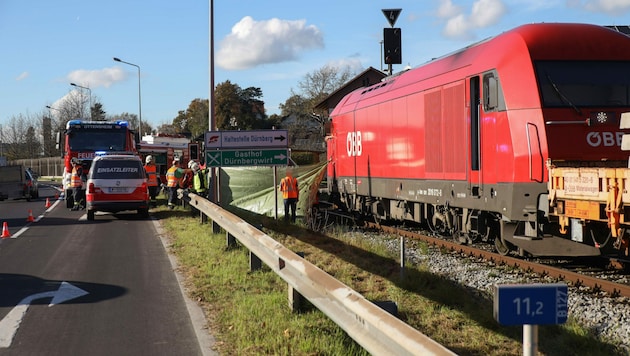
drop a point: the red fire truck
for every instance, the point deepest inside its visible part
(85, 139)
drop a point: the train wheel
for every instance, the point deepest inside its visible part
(501, 246)
(443, 224)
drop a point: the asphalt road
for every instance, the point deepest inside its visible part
(69, 286)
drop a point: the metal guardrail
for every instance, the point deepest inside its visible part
(376, 330)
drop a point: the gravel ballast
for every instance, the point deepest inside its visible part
(608, 318)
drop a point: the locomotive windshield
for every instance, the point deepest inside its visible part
(97, 140)
(576, 84)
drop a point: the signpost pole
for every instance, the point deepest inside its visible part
(530, 340)
(275, 189)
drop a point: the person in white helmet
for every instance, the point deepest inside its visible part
(153, 181)
(173, 178)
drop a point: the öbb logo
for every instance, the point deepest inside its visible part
(353, 143)
(606, 139)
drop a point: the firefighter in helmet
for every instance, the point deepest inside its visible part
(76, 183)
(153, 181)
(173, 176)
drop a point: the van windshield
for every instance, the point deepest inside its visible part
(117, 169)
(584, 83)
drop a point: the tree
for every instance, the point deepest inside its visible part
(238, 109)
(295, 105)
(168, 129)
(193, 120)
(19, 138)
(320, 83)
(132, 119)
(97, 113)
(313, 88)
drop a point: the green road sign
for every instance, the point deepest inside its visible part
(253, 157)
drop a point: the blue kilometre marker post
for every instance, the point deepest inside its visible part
(531, 305)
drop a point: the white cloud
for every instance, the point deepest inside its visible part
(537, 5)
(447, 9)
(610, 7)
(487, 12)
(458, 27)
(252, 43)
(353, 64)
(22, 75)
(484, 13)
(97, 78)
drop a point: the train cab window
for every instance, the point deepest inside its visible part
(576, 84)
(492, 93)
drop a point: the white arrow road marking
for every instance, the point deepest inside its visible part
(11, 322)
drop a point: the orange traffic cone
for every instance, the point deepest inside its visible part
(5, 230)
(30, 216)
(47, 203)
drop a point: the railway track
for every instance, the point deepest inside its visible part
(577, 279)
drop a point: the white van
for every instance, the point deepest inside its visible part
(116, 183)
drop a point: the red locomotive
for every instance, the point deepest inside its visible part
(467, 142)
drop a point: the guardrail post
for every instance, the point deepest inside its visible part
(230, 240)
(389, 306)
(216, 228)
(296, 300)
(254, 262)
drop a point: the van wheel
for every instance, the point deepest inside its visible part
(90, 215)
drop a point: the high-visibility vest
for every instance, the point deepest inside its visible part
(199, 181)
(75, 179)
(151, 175)
(171, 180)
(289, 187)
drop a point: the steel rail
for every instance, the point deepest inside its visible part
(577, 279)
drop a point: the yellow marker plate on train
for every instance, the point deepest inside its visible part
(582, 209)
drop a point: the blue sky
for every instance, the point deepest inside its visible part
(271, 45)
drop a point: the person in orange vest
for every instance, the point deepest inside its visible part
(173, 176)
(76, 183)
(153, 181)
(290, 194)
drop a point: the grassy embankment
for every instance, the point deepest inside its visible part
(248, 311)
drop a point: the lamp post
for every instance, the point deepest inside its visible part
(139, 95)
(90, 98)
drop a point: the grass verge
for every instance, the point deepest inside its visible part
(248, 312)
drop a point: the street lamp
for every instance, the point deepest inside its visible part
(139, 95)
(90, 98)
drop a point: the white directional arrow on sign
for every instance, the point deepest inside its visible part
(11, 322)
